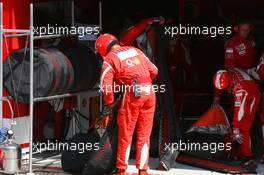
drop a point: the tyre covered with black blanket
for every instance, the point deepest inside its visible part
(75, 156)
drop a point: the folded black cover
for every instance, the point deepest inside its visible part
(103, 160)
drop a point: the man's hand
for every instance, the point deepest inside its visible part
(237, 136)
(216, 102)
(107, 110)
(253, 73)
(159, 20)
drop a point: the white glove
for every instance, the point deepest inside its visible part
(216, 102)
(253, 73)
(160, 20)
(237, 136)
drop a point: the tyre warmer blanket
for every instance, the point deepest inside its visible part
(103, 161)
(213, 121)
(169, 128)
(212, 124)
(73, 161)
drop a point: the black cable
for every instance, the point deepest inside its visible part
(77, 114)
(82, 115)
(58, 105)
(67, 124)
(78, 124)
(76, 118)
(55, 105)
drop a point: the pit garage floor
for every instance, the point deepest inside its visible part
(52, 166)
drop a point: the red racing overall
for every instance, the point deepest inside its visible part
(127, 64)
(246, 99)
(260, 74)
(240, 52)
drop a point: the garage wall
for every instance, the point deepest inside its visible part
(16, 17)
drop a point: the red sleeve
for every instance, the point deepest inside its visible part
(153, 70)
(106, 84)
(132, 33)
(260, 68)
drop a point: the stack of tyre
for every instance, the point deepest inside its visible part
(57, 70)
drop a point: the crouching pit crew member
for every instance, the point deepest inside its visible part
(258, 75)
(246, 99)
(129, 66)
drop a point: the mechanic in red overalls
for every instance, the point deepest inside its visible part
(246, 99)
(129, 66)
(240, 50)
(259, 76)
(246, 59)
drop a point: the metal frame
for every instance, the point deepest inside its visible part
(30, 33)
(72, 13)
(31, 95)
(100, 16)
(1, 64)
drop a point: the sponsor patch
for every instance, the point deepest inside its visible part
(127, 54)
(242, 52)
(229, 50)
(241, 48)
(239, 94)
(237, 104)
(137, 61)
(238, 99)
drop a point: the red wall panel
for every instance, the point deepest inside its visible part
(16, 16)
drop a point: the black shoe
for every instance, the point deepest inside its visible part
(247, 161)
(223, 157)
(119, 172)
(142, 172)
(232, 157)
(262, 158)
(162, 167)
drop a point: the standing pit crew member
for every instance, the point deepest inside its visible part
(246, 99)
(129, 66)
(240, 50)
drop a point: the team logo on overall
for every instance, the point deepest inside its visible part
(241, 48)
(133, 62)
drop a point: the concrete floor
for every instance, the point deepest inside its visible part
(177, 169)
(181, 169)
(52, 166)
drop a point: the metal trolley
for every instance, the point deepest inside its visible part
(30, 32)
